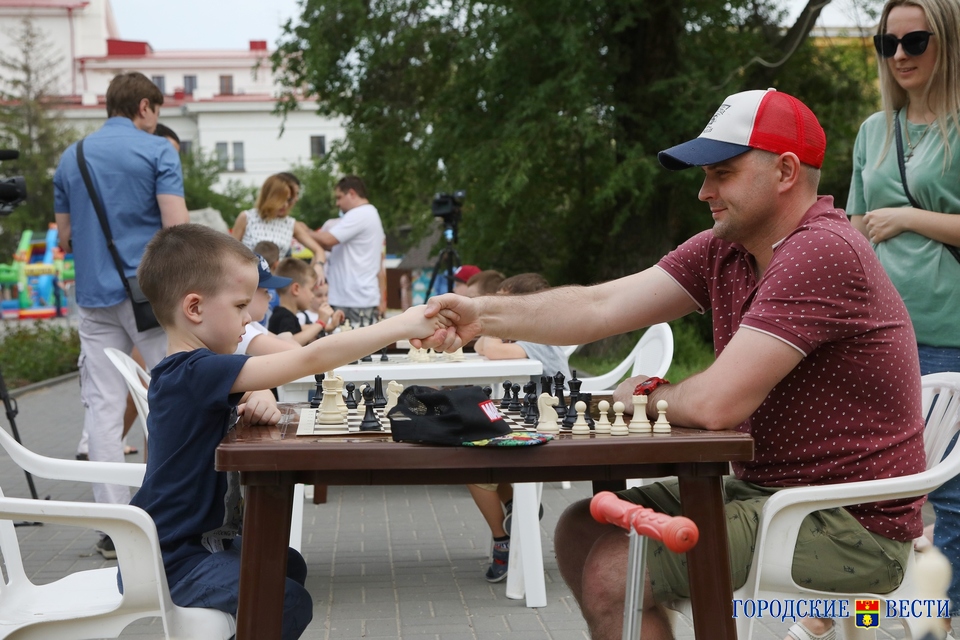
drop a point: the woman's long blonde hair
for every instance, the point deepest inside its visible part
(274, 195)
(942, 93)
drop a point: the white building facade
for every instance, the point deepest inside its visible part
(217, 101)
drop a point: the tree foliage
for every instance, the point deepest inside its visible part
(550, 113)
(31, 123)
(200, 174)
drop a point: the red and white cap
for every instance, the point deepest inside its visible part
(767, 120)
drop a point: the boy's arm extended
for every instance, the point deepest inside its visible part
(265, 372)
(497, 349)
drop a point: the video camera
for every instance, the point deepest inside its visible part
(449, 206)
(13, 190)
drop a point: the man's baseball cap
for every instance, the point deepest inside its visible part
(458, 417)
(467, 271)
(267, 279)
(766, 120)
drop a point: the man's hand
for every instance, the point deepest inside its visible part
(463, 316)
(260, 408)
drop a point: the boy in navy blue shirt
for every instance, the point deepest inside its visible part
(200, 283)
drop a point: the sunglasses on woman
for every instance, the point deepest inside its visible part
(914, 43)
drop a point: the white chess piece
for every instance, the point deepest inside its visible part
(457, 356)
(394, 389)
(619, 427)
(329, 411)
(602, 425)
(661, 425)
(580, 426)
(548, 415)
(639, 422)
(340, 401)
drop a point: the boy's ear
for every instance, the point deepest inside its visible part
(294, 289)
(192, 307)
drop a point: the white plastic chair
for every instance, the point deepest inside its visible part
(88, 604)
(137, 381)
(770, 574)
(569, 350)
(651, 356)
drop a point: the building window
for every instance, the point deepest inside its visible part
(189, 84)
(318, 146)
(161, 83)
(226, 85)
(223, 156)
(238, 156)
(186, 147)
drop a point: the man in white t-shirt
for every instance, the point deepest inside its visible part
(355, 244)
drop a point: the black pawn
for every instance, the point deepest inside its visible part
(558, 392)
(383, 355)
(505, 400)
(515, 400)
(574, 386)
(318, 394)
(528, 390)
(367, 358)
(351, 401)
(533, 412)
(488, 391)
(379, 400)
(370, 421)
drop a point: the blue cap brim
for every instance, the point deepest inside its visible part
(273, 282)
(699, 152)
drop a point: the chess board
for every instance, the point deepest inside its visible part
(308, 427)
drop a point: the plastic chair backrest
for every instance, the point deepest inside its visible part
(941, 406)
(137, 382)
(654, 352)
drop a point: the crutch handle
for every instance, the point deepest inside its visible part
(678, 533)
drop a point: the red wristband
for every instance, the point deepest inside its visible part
(646, 387)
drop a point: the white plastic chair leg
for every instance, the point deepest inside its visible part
(296, 518)
(525, 576)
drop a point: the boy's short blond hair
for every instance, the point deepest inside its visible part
(187, 258)
(524, 283)
(487, 282)
(297, 270)
(268, 250)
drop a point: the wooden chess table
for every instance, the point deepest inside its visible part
(270, 464)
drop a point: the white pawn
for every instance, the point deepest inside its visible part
(639, 422)
(661, 425)
(580, 426)
(602, 425)
(619, 427)
(548, 415)
(457, 356)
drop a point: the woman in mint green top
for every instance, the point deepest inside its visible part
(919, 59)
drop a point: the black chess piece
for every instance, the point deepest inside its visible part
(379, 400)
(558, 392)
(351, 401)
(505, 400)
(370, 421)
(528, 390)
(383, 355)
(573, 384)
(532, 415)
(367, 358)
(515, 404)
(571, 417)
(546, 385)
(488, 390)
(318, 394)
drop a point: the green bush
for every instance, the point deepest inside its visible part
(31, 352)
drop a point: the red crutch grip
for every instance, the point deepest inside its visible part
(678, 533)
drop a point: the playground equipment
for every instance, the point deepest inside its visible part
(33, 285)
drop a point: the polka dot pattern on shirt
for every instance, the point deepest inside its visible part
(851, 409)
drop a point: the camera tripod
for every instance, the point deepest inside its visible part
(448, 254)
(11, 408)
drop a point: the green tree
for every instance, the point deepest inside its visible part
(200, 173)
(32, 123)
(549, 113)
